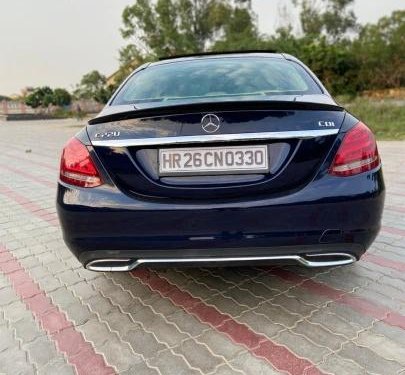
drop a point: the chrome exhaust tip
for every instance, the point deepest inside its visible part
(327, 259)
(307, 260)
(108, 265)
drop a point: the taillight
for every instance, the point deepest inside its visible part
(76, 166)
(358, 153)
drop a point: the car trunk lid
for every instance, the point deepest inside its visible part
(297, 136)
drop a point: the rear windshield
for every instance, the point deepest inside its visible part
(217, 78)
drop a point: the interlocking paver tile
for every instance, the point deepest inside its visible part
(346, 313)
(278, 314)
(220, 344)
(78, 313)
(143, 342)
(342, 280)
(187, 323)
(382, 345)
(302, 296)
(26, 329)
(56, 366)
(272, 282)
(243, 297)
(121, 355)
(139, 331)
(226, 370)
(335, 323)
(7, 338)
(258, 289)
(335, 364)
(369, 360)
(226, 305)
(41, 351)
(141, 368)
(13, 359)
(169, 363)
(7, 296)
(252, 366)
(261, 325)
(293, 305)
(198, 356)
(16, 311)
(319, 335)
(393, 333)
(302, 346)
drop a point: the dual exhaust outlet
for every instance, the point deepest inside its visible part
(307, 260)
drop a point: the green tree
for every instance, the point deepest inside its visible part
(170, 27)
(129, 60)
(240, 32)
(285, 41)
(93, 86)
(347, 58)
(40, 97)
(380, 49)
(331, 18)
(61, 97)
(334, 63)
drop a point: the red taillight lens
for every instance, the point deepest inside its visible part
(76, 166)
(358, 153)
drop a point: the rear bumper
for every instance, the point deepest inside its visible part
(330, 215)
(313, 256)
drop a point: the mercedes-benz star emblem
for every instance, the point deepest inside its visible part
(210, 123)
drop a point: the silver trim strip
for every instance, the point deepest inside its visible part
(300, 134)
(96, 265)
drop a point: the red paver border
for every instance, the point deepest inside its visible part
(384, 262)
(31, 206)
(395, 208)
(78, 352)
(393, 230)
(30, 176)
(31, 161)
(279, 356)
(359, 304)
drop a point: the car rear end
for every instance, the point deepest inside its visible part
(263, 176)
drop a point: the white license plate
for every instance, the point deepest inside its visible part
(216, 160)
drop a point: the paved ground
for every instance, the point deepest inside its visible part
(57, 318)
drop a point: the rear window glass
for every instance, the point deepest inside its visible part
(217, 78)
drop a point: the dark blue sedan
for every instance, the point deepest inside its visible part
(221, 159)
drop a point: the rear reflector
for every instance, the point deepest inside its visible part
(76, 166)
(358, 153)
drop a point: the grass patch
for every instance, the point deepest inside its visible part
(385, 117)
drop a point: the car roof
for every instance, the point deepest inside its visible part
(217, 55)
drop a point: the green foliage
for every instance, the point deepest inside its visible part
(40, 97)
(373, 59)
(239, 32)
(330, 18)
(333, 63)
(93, 86)
(346, 57)
(173, 27)
(61, 97)
(380, 50)
(45, 96)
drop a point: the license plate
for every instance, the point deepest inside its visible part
(213, 160)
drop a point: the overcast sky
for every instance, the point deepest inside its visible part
(55, 42)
